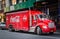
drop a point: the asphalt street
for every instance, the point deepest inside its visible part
(5, 34)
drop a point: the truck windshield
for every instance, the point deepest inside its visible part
(42, 16)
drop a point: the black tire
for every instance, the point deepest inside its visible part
(51, 33)
(11, 28)
(38, 31)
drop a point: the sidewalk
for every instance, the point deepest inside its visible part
(57, 32)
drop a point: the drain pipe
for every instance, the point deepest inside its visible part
(48, 12)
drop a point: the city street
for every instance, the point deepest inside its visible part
(5, 34)
(40, 16)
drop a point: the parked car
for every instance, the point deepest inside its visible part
(2, 25)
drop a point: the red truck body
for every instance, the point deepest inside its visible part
(29, 20)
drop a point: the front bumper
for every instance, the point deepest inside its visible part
(47, 30)
(2, 27)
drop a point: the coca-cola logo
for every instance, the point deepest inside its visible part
(14, 19)
(24, 18)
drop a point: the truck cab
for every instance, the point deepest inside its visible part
(42, 23)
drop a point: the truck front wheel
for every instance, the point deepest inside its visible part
(38, 31)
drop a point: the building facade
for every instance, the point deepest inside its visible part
(58, 12)
(2, 15)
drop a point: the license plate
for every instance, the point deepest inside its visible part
(51, 30)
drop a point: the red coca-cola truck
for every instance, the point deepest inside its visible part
(30, 21)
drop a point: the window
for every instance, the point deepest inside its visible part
(13, 2)
(0, 5)
(34, 17)
(10, 1)
(20, 1)
(42, 16)
(25, 0)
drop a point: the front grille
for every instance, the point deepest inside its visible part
(51, 25)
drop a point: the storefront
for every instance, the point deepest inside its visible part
(59, 13)
(2, 17)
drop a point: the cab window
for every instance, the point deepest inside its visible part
(34, 17)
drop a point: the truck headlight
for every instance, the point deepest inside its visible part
(44, 26)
